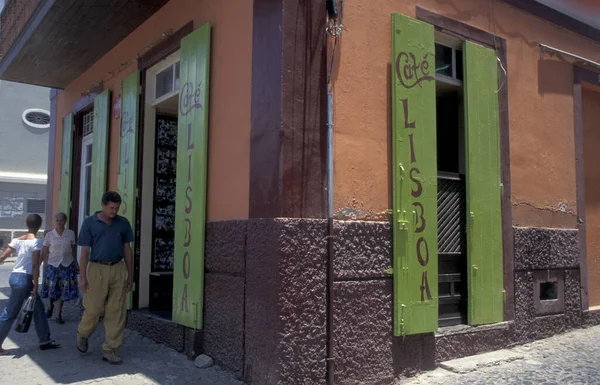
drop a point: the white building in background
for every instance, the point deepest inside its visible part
(24, 135)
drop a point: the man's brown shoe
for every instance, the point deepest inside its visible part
(82, 344)
(112, 358)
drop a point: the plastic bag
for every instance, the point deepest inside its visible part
(25, 316)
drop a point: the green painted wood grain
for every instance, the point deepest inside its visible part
(414, 173)
(128, 153)
(100, 149)
(190, 206)
(484, 221)
(64, 199)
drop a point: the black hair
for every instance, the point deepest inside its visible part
(34, 222)
(111, 196)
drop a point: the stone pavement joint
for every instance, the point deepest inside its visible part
(473, 363)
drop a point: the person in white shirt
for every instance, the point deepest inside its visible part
(23, 283)
(60, 267)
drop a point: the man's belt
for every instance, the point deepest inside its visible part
(106, 263)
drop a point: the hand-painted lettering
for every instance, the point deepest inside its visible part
(422, 261)
(186, 265)
(410, 72)
(127, 126)
(406, 123)
(416, 193)
(125, 146)
(188, 197)
(420, 222)
(425, 287)
(190, 167)
(184, 300)
(188, 233)
(413, 158)
(124, 205)
(190, 141)
(189, 98)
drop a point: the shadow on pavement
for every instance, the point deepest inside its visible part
(145, 361)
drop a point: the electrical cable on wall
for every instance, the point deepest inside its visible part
(334, 29)
(496, 45)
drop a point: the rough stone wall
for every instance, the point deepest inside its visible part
(265, 303)
(224, 288)
(224, 296)
(366, 351)
(285, 301)
(158, 329)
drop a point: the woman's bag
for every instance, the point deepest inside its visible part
(25, 316)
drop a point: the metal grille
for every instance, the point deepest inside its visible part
(37, 117)
(451, 213)
(88, 123)
(452, 274)
(36, 206)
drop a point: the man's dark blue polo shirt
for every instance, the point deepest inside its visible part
(106, 241)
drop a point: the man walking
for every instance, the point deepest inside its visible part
(106, 280)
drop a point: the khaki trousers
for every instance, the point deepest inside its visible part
(105, 296)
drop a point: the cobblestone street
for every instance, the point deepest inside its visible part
(145, 362)
(571, 358)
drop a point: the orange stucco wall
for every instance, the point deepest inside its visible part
(230, 78)
(540, 91)
(591, 159)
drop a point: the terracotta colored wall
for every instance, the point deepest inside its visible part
(540, 104)
(229, 125)
(591, 159)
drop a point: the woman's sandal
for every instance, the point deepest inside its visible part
(49, 345)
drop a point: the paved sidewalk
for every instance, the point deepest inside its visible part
(570, 358)
(145, 362)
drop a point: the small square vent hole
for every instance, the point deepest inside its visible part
(548, 291)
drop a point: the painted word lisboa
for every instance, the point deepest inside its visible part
(189, 101)
(411, 73)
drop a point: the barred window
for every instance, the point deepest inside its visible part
(88, 122)
(36, 206)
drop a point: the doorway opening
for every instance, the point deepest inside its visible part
(452, 234)
(159, 161)
(590, 103)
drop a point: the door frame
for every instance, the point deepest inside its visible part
(581, 75)
(157, 53)
(82, 107)
(497, 43)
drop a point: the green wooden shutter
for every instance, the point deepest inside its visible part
(484, 221)
(100, 149)
(128, 147)
(190, 203)
(64, 200)
(414, 172)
